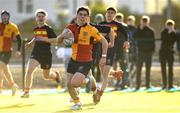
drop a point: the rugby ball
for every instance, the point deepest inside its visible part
(68, 41)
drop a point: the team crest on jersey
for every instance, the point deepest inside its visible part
(9, 30)
(85, 34)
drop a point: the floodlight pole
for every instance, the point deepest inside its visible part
(169, 9)
(23, 62)
(75, 6)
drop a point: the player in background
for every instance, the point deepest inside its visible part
(133, 47)
(97, 51)
(117, 27)
(8, 31)
(122, 55)
(41, 53)
(108, 33)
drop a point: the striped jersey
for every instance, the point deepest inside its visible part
(84, 37)
(43, 32)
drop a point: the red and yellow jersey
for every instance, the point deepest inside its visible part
(84, 37)
(7, 32)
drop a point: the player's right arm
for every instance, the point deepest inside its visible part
(59, 39)
(67, 33)
(30, 43)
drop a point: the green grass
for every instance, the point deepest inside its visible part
(54, 102)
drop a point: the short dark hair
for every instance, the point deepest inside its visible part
(84, 8)
(112, 8)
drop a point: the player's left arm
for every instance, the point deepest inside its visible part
(104, 42)
(104, 45)
(104, 51)
(18, 37)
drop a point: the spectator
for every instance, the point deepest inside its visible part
(119, 17)
(99, 18)
(132, 52)
(168, 39)
(122, 55)
(146, 46)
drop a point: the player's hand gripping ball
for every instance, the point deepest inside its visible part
(70, 38)
(68, 41)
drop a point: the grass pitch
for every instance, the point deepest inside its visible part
(54, 101)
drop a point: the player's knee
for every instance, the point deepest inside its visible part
(75, 83)
(68, 85)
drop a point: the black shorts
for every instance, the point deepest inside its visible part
(81, 67)
(45, 60)
(110, 56)
(5, 57)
